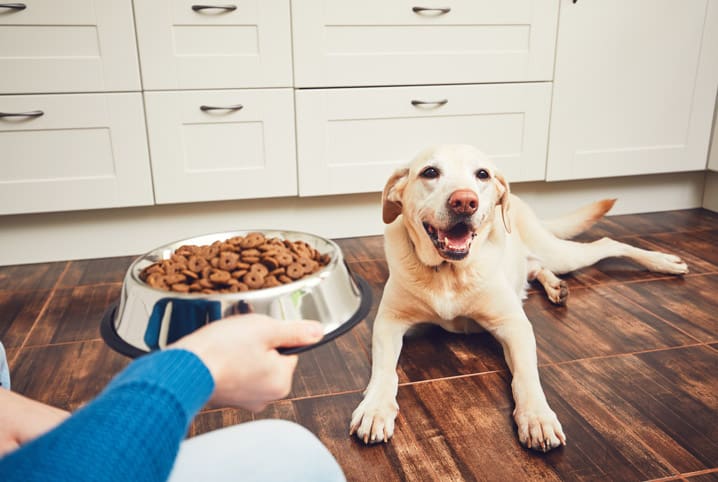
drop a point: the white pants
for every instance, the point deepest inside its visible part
(264, 450)
(4, 369)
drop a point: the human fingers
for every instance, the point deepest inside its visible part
(295, 333)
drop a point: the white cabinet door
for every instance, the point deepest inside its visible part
(351, 140)
(225, 144)
(59, 46)
(236, 44)
(72, 151)
(374, 42)
(634, 87)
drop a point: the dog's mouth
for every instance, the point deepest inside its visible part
(453, 243)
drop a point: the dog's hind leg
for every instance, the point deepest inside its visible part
(561, 256)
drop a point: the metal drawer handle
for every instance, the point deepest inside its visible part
(228, 8)
(205, 108)
(34, 113)
(438, 11)
(13, 6)
(437, 103)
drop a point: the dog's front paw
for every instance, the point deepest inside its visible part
(373, 420)
(539, 429)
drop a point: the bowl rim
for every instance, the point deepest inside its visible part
(305, 282)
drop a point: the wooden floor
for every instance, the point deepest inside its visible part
(630, 366)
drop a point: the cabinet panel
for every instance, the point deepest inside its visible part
(85, 151)
(346, 43)
(351, 140)
(233, 153)
(634, 87)
(82, 46)
(713, 158)
(184, 48)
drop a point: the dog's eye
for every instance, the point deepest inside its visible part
(483, 174)
(430, 173)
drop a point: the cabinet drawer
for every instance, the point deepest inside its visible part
(206, 155)
(348, 43)
(351, 140)
(79, 46)
(247, 44)
(85, 151)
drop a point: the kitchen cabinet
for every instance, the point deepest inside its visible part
(351, 140)
(376, 82)
(72, 130)
(48, 46)
(185, 45)
(221, 144)
(370, 43)
(220, 107)
(634, 87)
(63, 152)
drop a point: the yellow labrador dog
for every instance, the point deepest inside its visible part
(460, 248)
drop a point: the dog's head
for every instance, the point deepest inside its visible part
(446, 196)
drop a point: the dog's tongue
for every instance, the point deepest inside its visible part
(457, 238)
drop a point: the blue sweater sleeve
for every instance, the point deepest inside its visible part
(131, 431)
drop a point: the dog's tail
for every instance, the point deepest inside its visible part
(575, 223)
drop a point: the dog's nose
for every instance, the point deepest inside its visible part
(464, 201)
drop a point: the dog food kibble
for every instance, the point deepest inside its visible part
(240, 263)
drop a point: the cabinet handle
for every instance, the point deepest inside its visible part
(34, 113)
(228, 8)
(205, 108)
(13, 6)
(437, 103)
(438, 11)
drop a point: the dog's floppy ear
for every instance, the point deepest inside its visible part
(391, 197)
(504, 192)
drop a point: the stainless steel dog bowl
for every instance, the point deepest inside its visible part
(146, 319)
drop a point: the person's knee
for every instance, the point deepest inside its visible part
(261, 450)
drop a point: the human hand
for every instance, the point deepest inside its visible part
(23, 419)
(241, 354)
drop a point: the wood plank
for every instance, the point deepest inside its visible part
(366, 248)
(24, 277)
(375, 273)
(689, 304)
(629, 225)
(18, 312)
(597, 322)
(94, 271)
(657, 410)
(74, 314)
(66, 375)
(433, 353)
(335, 367)
(683, 383)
